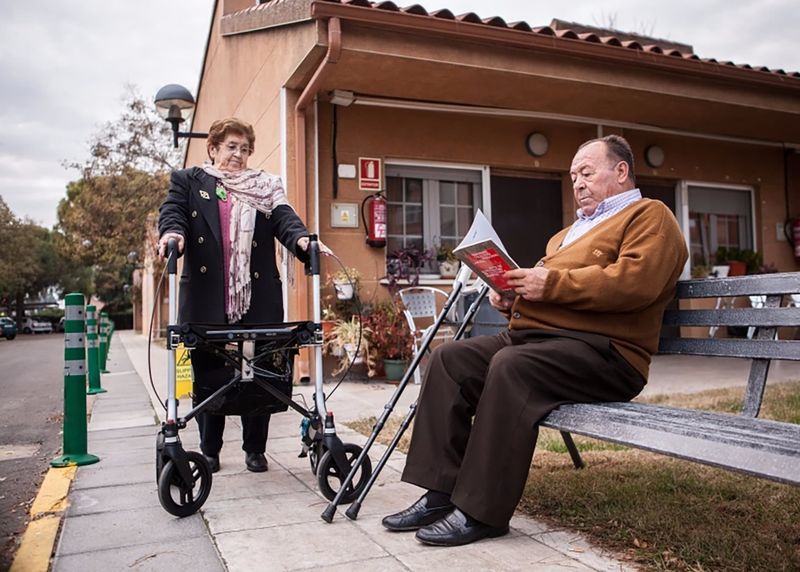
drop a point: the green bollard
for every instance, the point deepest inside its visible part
(92, 352)
(75, 432)
(103, 323)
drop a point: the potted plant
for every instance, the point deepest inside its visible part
(448, 263)
(349, 340)
(391, 342)
(345, 282)
(740, 261)
(406, 264)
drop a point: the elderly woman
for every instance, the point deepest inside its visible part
(225, 218)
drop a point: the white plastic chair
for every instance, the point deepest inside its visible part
(421, 306)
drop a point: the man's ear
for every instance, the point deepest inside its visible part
(621, 171)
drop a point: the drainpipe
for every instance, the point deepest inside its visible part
(305, 99)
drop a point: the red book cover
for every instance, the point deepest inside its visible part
(489, 262)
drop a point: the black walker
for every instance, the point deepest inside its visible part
(259, 371)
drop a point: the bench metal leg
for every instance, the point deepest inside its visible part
(573, 450)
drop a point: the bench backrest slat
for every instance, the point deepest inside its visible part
(733, 317)
(724, 347)
(755, 285)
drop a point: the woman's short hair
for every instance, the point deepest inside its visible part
(222, 127)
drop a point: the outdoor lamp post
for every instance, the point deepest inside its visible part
(175, 104)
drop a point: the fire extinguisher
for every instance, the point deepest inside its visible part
(792, 232)
(375, 219)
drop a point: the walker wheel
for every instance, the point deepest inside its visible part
(183, 499)
(330, 478)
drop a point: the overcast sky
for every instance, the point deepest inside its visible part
(64, 65)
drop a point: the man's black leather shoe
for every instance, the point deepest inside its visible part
(416, 516)
(213, 462)
(458, 528)
(256, 462)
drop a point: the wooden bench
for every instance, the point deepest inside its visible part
(741, 442)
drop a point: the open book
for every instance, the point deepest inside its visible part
(483, 251)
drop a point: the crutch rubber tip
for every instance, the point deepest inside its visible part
(352, 511)
(327, 514)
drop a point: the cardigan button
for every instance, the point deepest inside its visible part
(255, 275)
(255, 244)
(194, 214)
(203, 270)
(516, 315)
(200, 240)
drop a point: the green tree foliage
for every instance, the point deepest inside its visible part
(104, 216)
(29, 263)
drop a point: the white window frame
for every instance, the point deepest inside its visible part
(430, 189)
(682, 206)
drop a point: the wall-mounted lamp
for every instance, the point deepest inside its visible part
(654, 156)
(175, 105)
(537, 144)
(342, 97)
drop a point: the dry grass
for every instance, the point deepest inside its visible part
(660, 513)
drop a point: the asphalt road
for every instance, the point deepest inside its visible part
(31, 409)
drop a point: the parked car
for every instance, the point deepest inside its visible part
(8, 328)
(60, 325)
(31, 325)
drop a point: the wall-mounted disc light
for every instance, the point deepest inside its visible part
(537, 144)
(654, 156)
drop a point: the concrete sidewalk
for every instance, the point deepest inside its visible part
(260, 521)
(271, 521)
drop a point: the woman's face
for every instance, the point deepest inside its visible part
(232, 154)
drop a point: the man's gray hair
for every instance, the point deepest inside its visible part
(617, 149)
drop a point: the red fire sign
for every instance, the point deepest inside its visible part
(369, 174)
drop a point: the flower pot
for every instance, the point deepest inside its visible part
(395, 368)
(448, 268)
(737, 268)
(344, 290)
(350, 350)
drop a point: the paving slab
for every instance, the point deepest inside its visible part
(113, 498)
(196, 554)
(118, 529)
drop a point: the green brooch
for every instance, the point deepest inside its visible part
(223, 196)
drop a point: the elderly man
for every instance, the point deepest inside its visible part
(583, 325)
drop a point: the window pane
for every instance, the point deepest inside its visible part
(395, 219)
(465, 216)
(414, 219)
(465, 194)
(414, 191)
(447, 220)
(394, 189)
(447, 195)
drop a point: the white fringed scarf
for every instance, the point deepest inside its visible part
(250, 191)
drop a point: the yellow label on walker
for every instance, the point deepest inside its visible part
(183, 372)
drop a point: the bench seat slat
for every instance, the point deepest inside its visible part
(755, 446)
(741, 348)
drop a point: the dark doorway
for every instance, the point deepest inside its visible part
(661, 190)
(526, 212)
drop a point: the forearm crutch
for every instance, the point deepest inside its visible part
(352, 511)
(458, 285)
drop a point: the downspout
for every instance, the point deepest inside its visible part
(306, 97)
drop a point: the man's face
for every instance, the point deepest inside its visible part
(232, 154)
(595, 176)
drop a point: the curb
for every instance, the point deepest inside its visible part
(46, 512)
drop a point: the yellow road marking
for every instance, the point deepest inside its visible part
(37, 545)
(46, 511)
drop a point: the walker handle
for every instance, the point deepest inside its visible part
(312, 265)
(172, 256)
